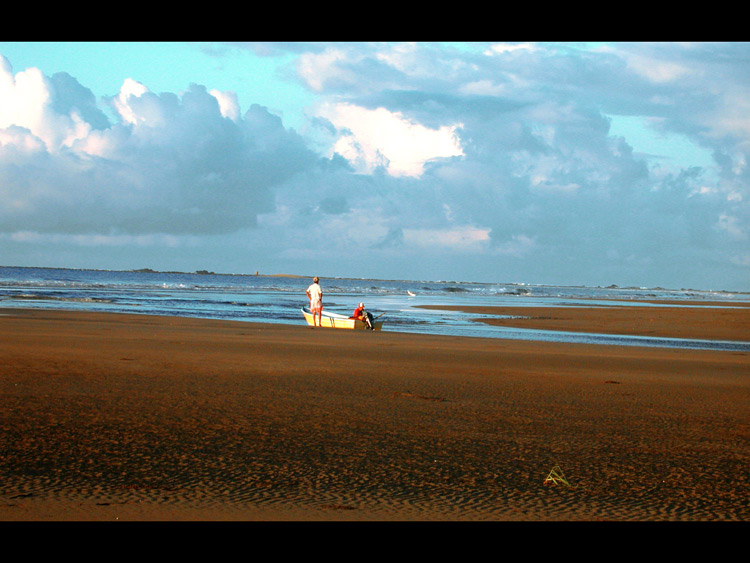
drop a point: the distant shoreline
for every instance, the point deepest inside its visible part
(152, 271)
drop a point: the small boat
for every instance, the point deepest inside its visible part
(334, 320)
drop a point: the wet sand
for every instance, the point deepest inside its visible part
(669, 319)
(134, 417)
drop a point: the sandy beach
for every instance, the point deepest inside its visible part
(697, 320)
(131, 417)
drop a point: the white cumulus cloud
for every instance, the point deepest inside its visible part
(27, 101)
(379, 137)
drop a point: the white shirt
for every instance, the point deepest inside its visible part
(315, 292)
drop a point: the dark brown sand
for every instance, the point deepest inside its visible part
(127, 417)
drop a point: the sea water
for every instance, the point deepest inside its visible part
(278, 299)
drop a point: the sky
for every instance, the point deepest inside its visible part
(539, 163)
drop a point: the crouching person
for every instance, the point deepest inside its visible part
(364, 316)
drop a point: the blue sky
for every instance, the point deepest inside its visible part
(594, 164)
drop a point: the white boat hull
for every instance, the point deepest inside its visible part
(334, 320)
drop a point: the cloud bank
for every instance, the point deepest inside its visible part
(421, 161)
(176, 164)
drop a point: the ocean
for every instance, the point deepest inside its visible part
(278, 299)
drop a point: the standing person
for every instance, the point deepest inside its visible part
(315, 294)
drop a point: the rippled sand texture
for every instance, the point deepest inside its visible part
(106, 417)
